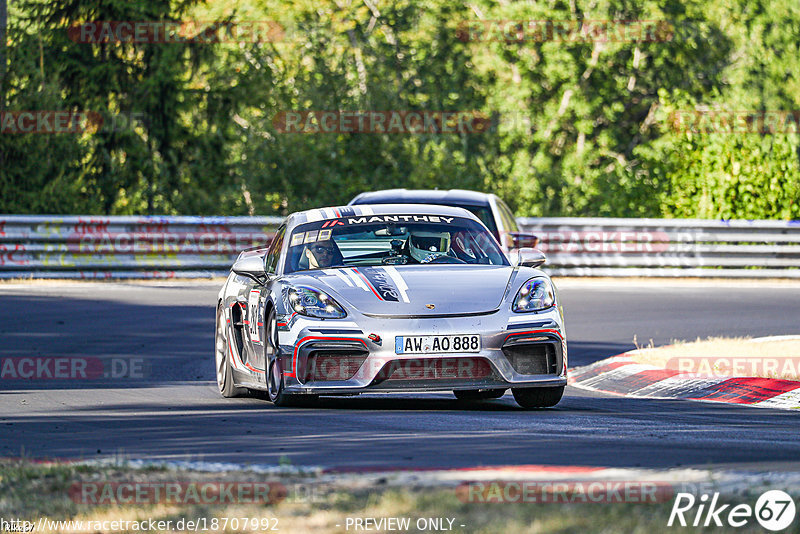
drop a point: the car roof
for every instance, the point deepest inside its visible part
(423, 196)
(362, 210)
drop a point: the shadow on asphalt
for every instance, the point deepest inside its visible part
(120, 344)
(576, 402)
(411, 432)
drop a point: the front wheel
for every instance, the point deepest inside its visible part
(538, 397)
(275, 389)
(275, 385)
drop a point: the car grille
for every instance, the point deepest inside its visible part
(436, 369)
(325, 365)
(532, 359)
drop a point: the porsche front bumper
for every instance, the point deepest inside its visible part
(357, 354)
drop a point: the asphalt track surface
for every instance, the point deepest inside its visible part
(171, 409)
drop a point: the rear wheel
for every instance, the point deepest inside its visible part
(478, 394)
(222, 355)
(538, 397)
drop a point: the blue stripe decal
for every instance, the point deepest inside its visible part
(382, 283)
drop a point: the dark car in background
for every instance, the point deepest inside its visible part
(489, 208)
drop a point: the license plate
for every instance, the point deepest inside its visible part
(437, 344)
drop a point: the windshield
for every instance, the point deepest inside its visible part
(391, 240)
(485, 215)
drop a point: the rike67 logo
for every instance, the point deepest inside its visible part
(774, 510)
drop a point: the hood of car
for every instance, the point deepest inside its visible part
(413, 290)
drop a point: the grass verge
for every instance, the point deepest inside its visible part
(31, 491)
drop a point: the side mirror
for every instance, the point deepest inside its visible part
(522, 240)
(530, 257)
(251, 267)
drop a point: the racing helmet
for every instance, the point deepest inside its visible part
(426, 246)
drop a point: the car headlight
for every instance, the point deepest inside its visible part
(536, 294)
(314, 303)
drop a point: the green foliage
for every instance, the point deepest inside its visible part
(743, 177)
(580, 127)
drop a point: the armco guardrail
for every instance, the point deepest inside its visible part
(93, 247)
(97, 247)
(668, 247)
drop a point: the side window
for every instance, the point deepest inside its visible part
(274, 253)
(484, 213)
(508, 218)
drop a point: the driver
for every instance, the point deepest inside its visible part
(424, 246)
(322, 254)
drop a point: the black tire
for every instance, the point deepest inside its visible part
(275, 385)
(538, 397)
(478, 394)
(224, 372)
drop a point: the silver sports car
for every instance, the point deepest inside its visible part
(389, 298)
